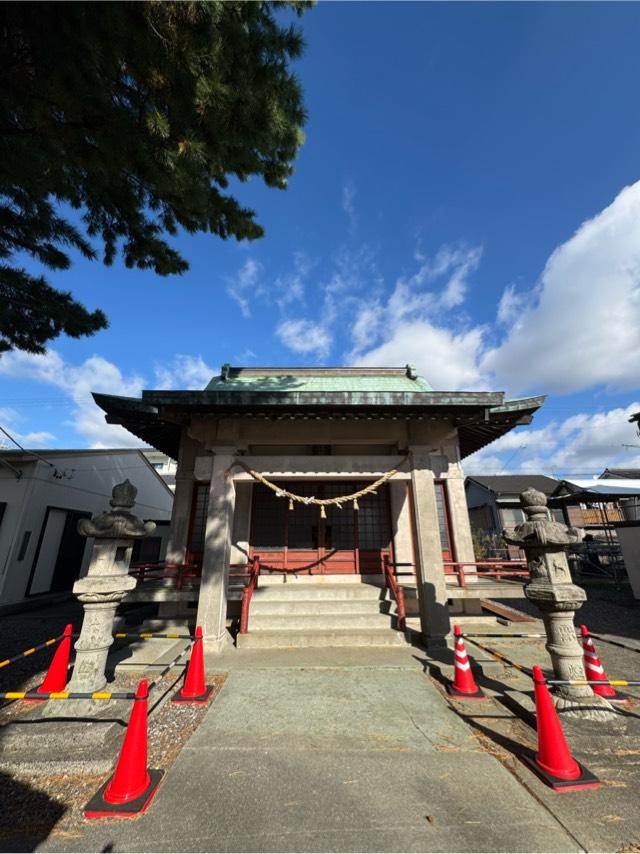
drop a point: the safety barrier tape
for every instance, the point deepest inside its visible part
(67, 695)
(30, 651)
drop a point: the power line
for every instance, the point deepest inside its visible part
(24, 450)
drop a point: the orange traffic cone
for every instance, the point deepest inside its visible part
(464, 685)
(56, 678)
(553, 762)
(133, 785)
(194, 689)
(594, 670)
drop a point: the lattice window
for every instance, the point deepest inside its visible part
(373, 521)
(339, 526)
(199, 518)
(268, 519)
(441, 507)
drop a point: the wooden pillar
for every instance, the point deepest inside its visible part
(212, 604)
(432, 592)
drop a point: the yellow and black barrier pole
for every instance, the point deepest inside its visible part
(30, 651)
(150, 635)
(67, 695)
(505, 636)
(617, 683)
(501, 657)
(174, 663)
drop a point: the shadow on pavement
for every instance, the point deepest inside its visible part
(27, 816)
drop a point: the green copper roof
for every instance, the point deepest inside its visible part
(318, 380)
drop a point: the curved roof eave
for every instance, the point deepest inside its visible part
(482, 417)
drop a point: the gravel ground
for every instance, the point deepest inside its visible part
(34, 807)
(51, 805)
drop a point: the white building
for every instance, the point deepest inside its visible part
(42, 496)
(164, 465)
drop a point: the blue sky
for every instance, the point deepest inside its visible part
(467, 199)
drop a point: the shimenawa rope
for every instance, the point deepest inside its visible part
(337, 501)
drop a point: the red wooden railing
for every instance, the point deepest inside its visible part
(247, 593)
(396, 590)
(494, 570)
(179, 572)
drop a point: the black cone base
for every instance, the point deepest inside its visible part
(477, 695)
(619, 698)
(200, 699)
(586, 780)
(99, 808)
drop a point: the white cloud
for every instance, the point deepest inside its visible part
(289, 288)
(511, 305)
(184, 372)
(583, 329)
(9, 421)
(403, 329)
(578, 327)
(77, 382)
(352, 271)
(245, 285)
(447, 360)
(583, 444)
(305, 337)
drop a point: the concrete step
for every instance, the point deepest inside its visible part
(275, 579)
(282, 638)
(320, 606)
(311, 622)
(325, 592)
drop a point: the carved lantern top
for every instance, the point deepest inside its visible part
(539, 528)
(118, 523)
(123, 495)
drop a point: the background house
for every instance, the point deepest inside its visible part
(494, 501)
(43, 494)
(163, 464)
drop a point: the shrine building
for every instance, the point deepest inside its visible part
(326, 490)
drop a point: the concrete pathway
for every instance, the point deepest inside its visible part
(356, 758)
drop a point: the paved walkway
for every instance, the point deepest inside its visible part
(295, 757)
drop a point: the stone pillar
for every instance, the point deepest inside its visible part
(183, 496)
(462, 542)
(551, 589)
(105, 584)
(212, 605)
(432, 592)
(401, 520)
(459, 513)
(241, 522)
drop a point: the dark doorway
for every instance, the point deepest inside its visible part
(70, 553)
(346, 541)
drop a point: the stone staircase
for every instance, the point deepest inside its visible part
(320, 611)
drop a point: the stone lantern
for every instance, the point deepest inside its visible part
(552, 591)
(105, 584)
